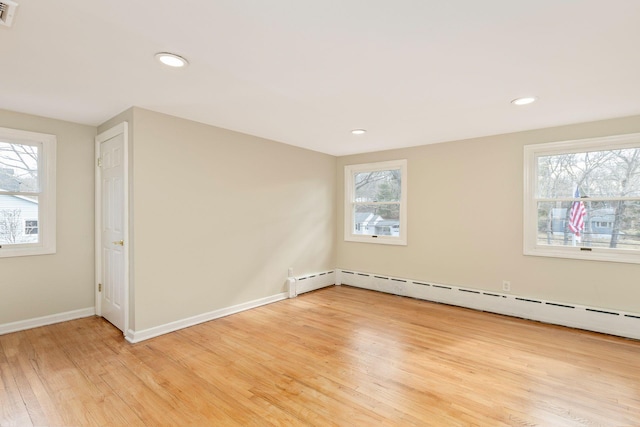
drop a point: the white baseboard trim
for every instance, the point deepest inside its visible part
(145, 334)
(313, 281)
(614, 322)
(36, 322)
(597, 319)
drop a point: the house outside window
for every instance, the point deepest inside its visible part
(582, 199)
(27, 193)
(31, 227)
(375, 202)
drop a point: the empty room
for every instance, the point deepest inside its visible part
(319, 213)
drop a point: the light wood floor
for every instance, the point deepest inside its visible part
(338, 356)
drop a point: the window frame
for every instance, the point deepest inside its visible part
(349, 204)
(530, 226)
(46, 195)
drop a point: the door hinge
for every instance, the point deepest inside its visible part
(99, 287)
(99, 162)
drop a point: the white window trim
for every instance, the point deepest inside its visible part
(531, 153)
(349, 171)
(46, 196)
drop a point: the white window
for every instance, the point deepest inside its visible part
(27, 193)
(376, 203)
(582, 199)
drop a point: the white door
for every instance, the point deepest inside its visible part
(112, 230)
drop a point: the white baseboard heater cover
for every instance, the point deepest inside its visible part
(313, 281)
(596, 319)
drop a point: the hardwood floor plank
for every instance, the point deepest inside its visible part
(339, 356)
(13, 410)
(39, 403)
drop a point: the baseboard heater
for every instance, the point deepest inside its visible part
(310, 282)
(596, 319)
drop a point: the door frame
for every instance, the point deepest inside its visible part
(122, 128)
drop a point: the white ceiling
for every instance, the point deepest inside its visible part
(306, 72)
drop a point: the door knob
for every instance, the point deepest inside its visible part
(119, 242)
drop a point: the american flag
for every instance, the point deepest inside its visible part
(576, 216)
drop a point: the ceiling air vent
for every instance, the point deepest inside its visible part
(7, 10)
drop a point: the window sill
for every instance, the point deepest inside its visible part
(581, 253)
(7, 252)
(379, 240)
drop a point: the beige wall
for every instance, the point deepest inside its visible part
(465, 210)
(219, 216)
(34, 286)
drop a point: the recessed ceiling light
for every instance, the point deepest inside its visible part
(171, 59)
(524, 101)
(358, 131)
